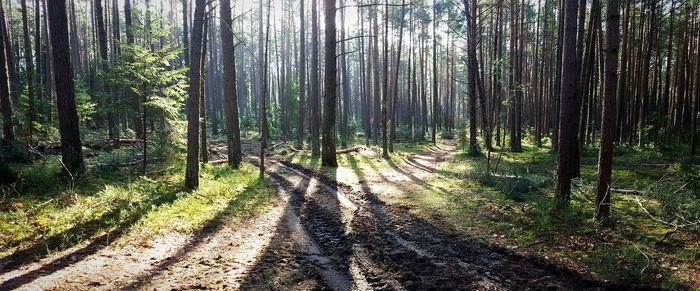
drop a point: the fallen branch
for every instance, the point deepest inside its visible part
(535, 243)
(628, 191)
(349, 150)
(671, 224)
(652, 165)
(218, 162)
(137, 162)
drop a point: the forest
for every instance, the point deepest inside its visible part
(349, 144)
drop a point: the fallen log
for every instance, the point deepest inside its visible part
(349, 150)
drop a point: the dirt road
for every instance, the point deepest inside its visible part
(321, 235)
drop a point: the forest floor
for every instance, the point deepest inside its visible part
(372, 223)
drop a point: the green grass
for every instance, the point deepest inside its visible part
(516, 200)
(41, 214)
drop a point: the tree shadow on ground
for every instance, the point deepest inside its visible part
(210, 228)
(113, 218)
(310, 249)
(428, 257)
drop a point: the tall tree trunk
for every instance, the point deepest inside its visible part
(206, 71)
(263, 100)
(435, 80)
(29, 71)
(76, 49)
(136, 102)
(192, 102)
(328, 157)
(470, 11)
(315, 100)
(345, 82)
(607, 127)
(377, 75)
(185, 33)
(233, 134)
(397, 69)
(385, 80)
(71, 150)
(102, 43)
(5, 99)
(567, 124)
(302, 76)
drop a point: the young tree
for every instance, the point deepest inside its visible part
(192, 103)
(5, 100)
(71, 149)
(328, 157)
(607, 127)
(567, 122)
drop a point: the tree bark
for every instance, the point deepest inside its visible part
(315, 100)
(435, 80)
(192, 102)
(302, 76)
(233, 134)
(607, 127)
(5, 99)
(328, 157)
(71, 150)
(567, 122)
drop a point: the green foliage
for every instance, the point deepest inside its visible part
(151, 88)
(404, 134)
(83, 101)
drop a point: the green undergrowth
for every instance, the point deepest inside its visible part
(508, 201)
(42, 213)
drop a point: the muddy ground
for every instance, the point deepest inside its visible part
(322, 234)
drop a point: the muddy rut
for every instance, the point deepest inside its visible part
(322, 235)
(345, 237)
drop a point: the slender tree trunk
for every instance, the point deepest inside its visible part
(263, 100)
(377, 75)
(192, 102)
(470, 11)
(206, 71)
(315, 100)
(5, 99)
(104, 64)
(567, 124)
(185, 33)
(345, 83)
(233, 134)
(435, 80)
(608, 125)
(397, 69)
(71, 150)
(302, 76)
(29, 71)
(385, 81)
